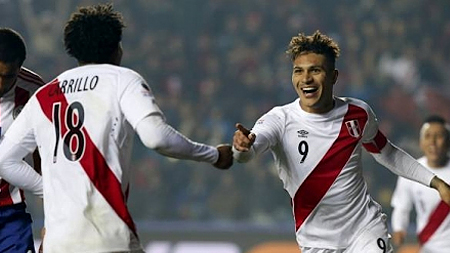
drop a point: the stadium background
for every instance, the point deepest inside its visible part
(212, 63)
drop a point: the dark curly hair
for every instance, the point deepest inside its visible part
(93, 33)
(316, 43)
(12, 46)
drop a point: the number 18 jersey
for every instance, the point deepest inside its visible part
(82, 122)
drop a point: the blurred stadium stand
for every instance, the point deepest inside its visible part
(212, 63)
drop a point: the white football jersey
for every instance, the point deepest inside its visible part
(425, 200)
(11, 104)
(318, 157)
(82, 122)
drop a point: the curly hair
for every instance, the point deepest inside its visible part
(12, 46)
(93, 33)
(317, 43)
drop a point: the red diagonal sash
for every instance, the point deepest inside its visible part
(316, 185)
(92, 161)
(436, 218)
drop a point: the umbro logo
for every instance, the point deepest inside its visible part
(302, 133)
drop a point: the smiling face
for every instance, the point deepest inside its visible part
(435, 144)
(313, 79)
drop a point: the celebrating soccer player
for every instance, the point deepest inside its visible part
(432, 214)
(83, 123)
(317, 141)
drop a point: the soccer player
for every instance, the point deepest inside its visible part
(17, 84)
(432, 214)
(316, 141)
(83, 122)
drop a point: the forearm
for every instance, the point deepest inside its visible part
(402, 164)
(17, 172)
(158, 135)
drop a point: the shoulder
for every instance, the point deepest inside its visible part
(124, 71)
(355, 102)
(276, 117)
(360, 107)
(280, 111)
(127, 77)
(29, 80)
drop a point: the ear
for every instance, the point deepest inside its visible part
(335, 76)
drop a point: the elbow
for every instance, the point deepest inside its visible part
(153, 143)
(151, 131)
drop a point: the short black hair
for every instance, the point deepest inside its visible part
(440, 120)
(93, 33)
(435, 119)
(12, 46)
(316, 43)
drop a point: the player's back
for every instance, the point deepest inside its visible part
(85, 142)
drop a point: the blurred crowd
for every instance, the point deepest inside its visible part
(212, 63)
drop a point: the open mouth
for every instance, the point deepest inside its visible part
(309, 90)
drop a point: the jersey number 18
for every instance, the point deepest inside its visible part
(68, 124)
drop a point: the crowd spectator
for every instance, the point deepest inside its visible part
(201, 57)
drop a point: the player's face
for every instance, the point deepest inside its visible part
(434, 143)
(8, 75)
(313, 79)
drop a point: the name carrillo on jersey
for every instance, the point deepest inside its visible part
(78, 84)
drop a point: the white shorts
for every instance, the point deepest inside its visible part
(372, 239)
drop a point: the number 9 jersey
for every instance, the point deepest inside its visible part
(83, 124)
(318, 158)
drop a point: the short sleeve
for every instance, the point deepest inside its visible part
(137, 100)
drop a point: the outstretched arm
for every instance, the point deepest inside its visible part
(404, 165)
(156, 134)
